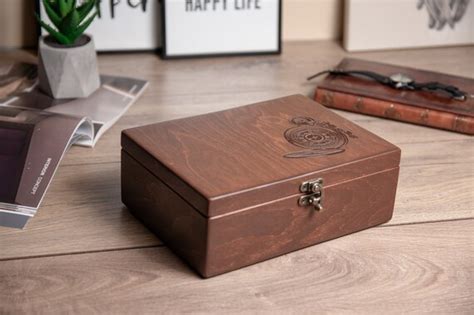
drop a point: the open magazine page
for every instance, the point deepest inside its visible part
(36, 130)
(32, 143)
(104, 107)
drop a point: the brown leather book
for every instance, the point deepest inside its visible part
(419, 107)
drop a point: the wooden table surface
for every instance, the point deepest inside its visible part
(83, 252)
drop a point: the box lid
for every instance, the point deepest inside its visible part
(243, 157)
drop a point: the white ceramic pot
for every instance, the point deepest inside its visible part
(68, 71)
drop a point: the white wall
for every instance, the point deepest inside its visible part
(312, 19)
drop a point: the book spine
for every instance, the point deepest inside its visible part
(395, 111)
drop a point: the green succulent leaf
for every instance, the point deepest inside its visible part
(72, 5)
(69, 18)
(62, 39)
(70, 23)
(53, 16)
(85, 8)
(85, 25)
(65, 6)
(52, 4)
(62, 7)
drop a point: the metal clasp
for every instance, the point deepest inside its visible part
(314, 194)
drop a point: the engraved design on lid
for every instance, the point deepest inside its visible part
(317, 137)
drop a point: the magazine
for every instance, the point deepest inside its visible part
(36, 131)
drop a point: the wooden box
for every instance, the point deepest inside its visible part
(228, 189)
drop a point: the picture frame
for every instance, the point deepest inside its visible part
(410, 24)
(122, 25)
(178, 26)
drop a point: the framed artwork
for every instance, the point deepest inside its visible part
(411, 23)
(194, 28)
(123, 25)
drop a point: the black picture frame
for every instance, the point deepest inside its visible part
(165, 55)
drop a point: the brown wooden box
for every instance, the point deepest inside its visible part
(228, 189)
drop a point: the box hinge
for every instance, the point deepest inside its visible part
(313, 191)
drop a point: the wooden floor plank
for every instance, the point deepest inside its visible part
(108, 148)
(83, 206)
(423, 268)
(181, 88)
(105, 261)
(257, 73)
(83, 210)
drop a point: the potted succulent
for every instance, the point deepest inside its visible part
(67, 57)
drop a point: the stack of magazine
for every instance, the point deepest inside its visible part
(36, 131)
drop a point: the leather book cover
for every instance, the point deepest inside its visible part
(419, 107)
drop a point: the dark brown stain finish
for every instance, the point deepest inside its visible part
(318, 137)
(221, 192)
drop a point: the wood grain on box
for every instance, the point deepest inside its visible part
(223, 189)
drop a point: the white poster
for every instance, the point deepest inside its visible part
(213, 27)
(124, 25)
(382, 24)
